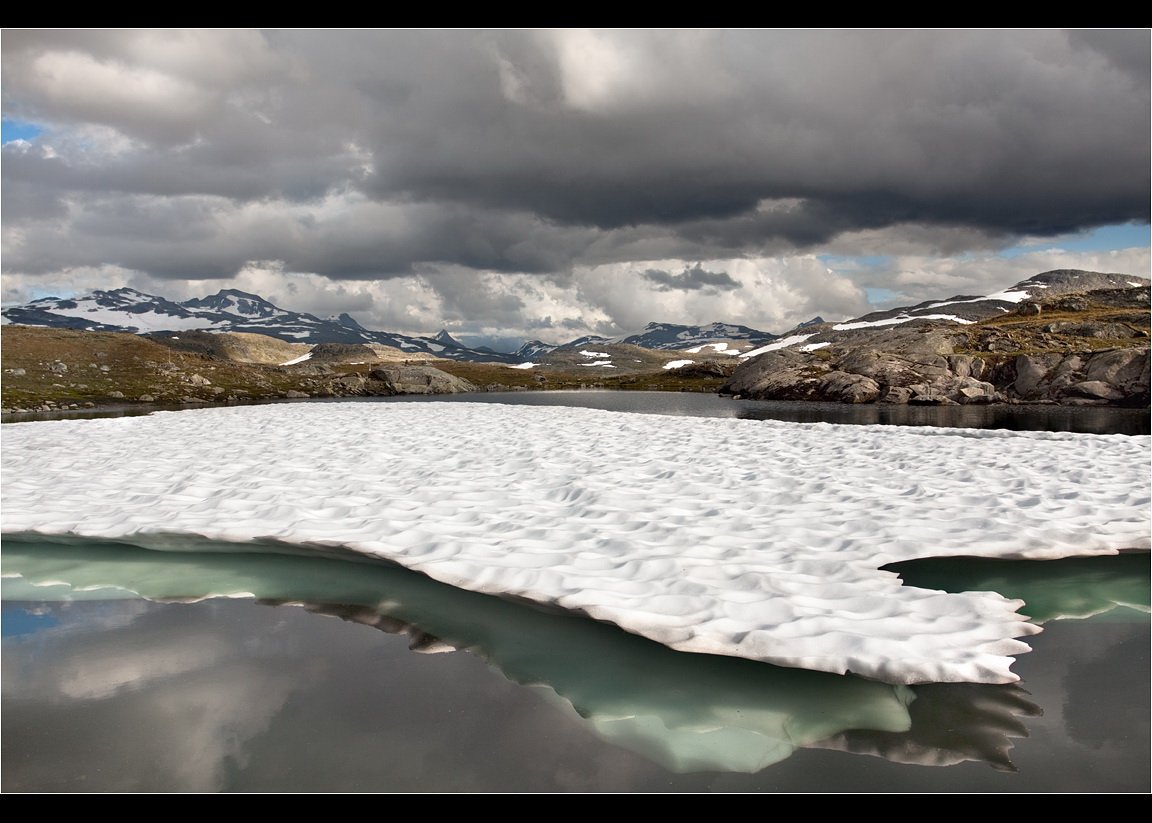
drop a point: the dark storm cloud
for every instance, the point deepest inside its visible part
(692, 279)
(536, 150)
(1126, 49)
(27, 200)
(205, 237)
(1010, 131)
(196, 170)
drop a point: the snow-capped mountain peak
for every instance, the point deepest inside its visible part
(672, 336)
(234, 301)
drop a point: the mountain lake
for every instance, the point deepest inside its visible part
(354, 676)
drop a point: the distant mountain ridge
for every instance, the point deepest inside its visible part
(662, 336)
(232, 310)
(229, 310)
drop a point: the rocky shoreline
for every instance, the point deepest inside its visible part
(1072, 348)
(1108, 377)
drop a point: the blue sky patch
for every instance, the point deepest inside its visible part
(1104, 238)
(17, 130)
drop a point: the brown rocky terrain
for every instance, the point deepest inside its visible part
(46, 369)
(1059, 346)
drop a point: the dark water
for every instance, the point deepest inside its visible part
(334, 675)
(1086, 419)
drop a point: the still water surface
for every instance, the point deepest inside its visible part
(335, 675)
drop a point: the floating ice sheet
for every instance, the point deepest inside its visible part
(757, 539)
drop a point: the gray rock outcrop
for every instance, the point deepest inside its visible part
(919, 368)
(387, 381)
(419, 380)
(1074, 337)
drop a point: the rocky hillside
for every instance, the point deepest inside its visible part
(52, 369)
(48, 370)
(1066, 336)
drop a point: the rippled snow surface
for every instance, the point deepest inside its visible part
(759, 539)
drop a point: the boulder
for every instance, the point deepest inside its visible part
(969, 391)
(898, 395)
(1121, 367)
(1031, 372)
(966, 365)
(347, 384)
(417, 380)
(1094, 390)
(849, 388)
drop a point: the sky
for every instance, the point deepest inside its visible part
(517, 184)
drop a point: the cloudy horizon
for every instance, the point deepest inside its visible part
(508, 185)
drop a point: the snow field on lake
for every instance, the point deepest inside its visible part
(758, 539)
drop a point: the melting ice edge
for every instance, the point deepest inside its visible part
(758, 539)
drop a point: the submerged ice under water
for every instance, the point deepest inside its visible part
(748, 538)
(686, 712)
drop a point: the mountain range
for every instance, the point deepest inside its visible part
(232, 310)
(229, 310)
(1068, 337)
